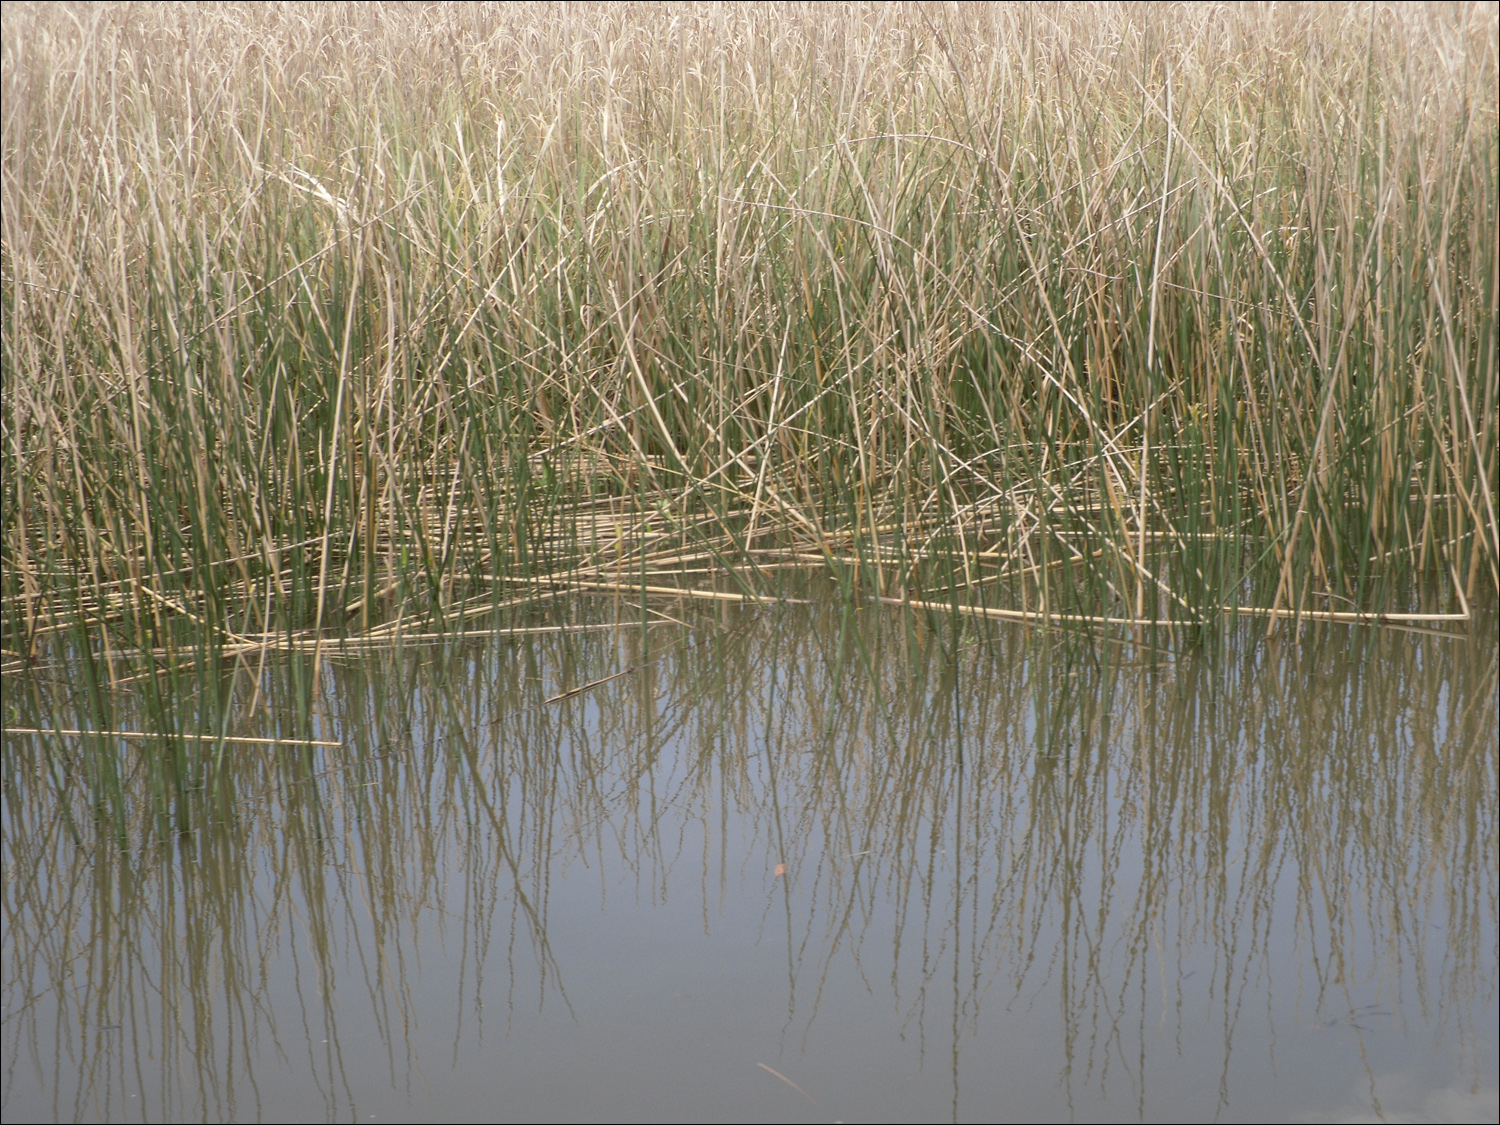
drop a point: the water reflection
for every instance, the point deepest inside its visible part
(911, 870)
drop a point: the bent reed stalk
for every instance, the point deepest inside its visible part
(370, 318)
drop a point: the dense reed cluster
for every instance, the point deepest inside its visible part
(347, 317)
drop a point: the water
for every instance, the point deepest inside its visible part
(796, 863)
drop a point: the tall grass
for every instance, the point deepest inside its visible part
(347, 317)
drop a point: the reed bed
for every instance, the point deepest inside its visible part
(347, 319)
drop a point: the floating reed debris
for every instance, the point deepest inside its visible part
(1326, 615)
(336, 318)
(175, 735)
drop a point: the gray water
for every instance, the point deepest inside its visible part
(789, 863)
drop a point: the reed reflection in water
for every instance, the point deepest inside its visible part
(911, 870)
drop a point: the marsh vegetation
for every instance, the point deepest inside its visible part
(364, 319)
(656, 539)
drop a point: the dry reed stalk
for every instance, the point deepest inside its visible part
(176, 735)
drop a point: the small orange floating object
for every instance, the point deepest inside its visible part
(781, 869)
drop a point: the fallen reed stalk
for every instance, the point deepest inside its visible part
(188, 737)
(355, 319)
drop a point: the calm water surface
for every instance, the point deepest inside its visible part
(796, 863)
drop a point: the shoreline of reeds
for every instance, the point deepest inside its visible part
(355, 319)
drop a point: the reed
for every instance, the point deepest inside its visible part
(363, 319)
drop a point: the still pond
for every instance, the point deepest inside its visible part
(793, 862)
